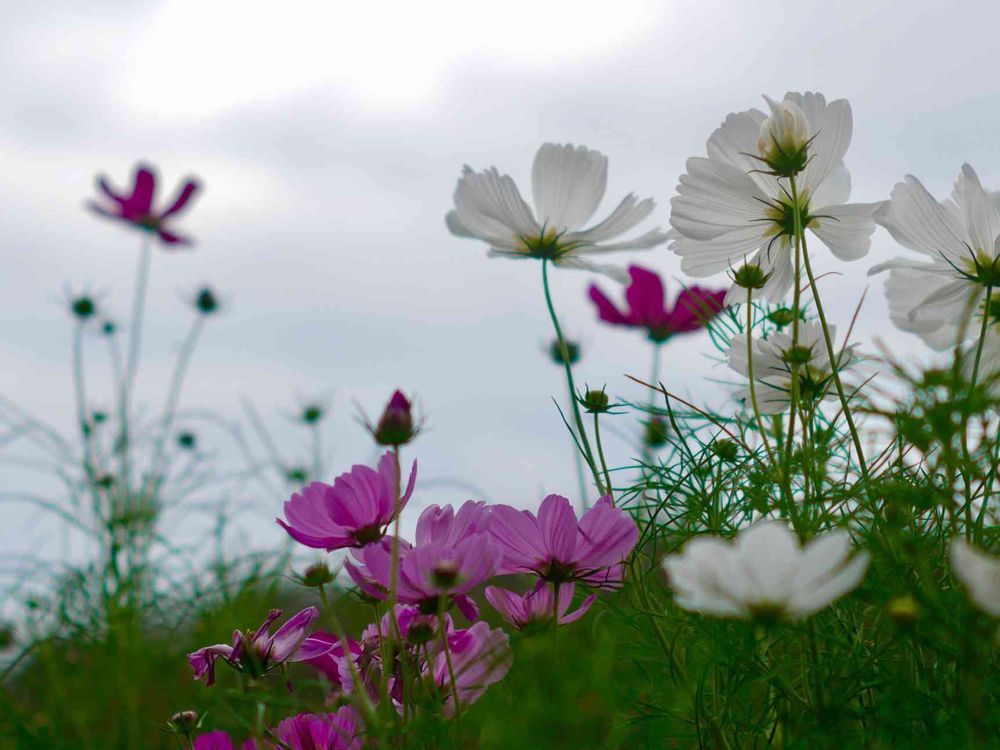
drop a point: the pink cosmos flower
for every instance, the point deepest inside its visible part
(220, 741)
(537, 605)
(558, 548)
(645, 299)
(337, 731)
(257, 651)
(480, 657)
(137, 208)
(329, 663)
(453, 554)
(397, 425)
(355, 511)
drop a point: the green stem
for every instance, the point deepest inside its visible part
(831, 353)
(588, 454)
(600, 453)
(132, 358)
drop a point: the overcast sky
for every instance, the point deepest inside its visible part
(329, 136)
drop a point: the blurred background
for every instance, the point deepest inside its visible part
(329, 136)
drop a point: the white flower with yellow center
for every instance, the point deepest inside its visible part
(774, 358)
(765, 573)
(942, 296)
(736, 206)
(568, 183)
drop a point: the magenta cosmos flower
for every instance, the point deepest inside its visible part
(538, 605)
(645, 298)
(137, 209)
(397, 425)
(337, 731)
(480, 656)
(558, 548)
(355, 511)
(220, 741)
(257, 652)
(453, 554)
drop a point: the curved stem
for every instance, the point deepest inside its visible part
(132, 357)
(588, 454)
(600, 453)
(831, 353)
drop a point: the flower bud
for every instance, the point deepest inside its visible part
(656, 432)
(205, 301)
(184, 722)
(395, 426)
(595, 402)
(784, 139)
(312, 413)
(296, 475)
(903, 610)
(751, 276)
(567, 352)
(83, 307)
(781, 317)
(726, 449)
(108, 328)
(187, 441)
(797, 356)
(316, 575)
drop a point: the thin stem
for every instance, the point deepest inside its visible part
(600, 453)
(157, 471)
(588, 454)
(132, 358)
(834, 357)
(753, 386)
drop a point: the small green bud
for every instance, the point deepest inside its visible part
(184, 723)
(797, 356)
(781, 317)
(187, 441)
(316, 575)
(596, 402)
(312, 413)
(904, 611)
(656, 433)
(726, 449)
(83, 307)
(296, 474)
(108, 328)
(205, 301)
(566, 353)
(751, 276)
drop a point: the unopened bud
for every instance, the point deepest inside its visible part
(567, 352)
(656, 433)
(83, 307)
(797, 356)
(784, 139)
(595, 402)
(108, 328)
(726, 449)
(317, 575)
(312, 413)
(903, 610)
(187, 441)
(205, 301)
(395, 426)
(751, 276)
(184, 722)
(781, 317)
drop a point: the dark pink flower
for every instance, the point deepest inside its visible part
(257, 651)
(337, 731)
(647, 306)
(330, 662)
(558, 548)
(453, 554)
(480, 657)
(220, 741)
(355, 511)
(537, 605)
(137, 208)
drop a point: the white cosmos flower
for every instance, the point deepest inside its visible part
(939, 294)
(728, 210)
(764, 573)
(979, 573)
(772, 366)
(568, 184)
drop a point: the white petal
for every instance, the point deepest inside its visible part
(777, 260)
(834, 190)
(650, 239)
(846, 229)
(568, 183)
(617, 273)
(904, 289)
(769, 554)
(715, 198)
(832, 126)
(843, 581)
(982, 218)
(489, 206)
(735, 143)
(628, 214)
(917, 221)
(730, 250)
(821, 557)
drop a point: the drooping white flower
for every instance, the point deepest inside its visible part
(772, 366)
(940, 296)
(979, 573)
(735, 205)
(568, 183)
(764, 573)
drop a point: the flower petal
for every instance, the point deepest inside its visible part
(568, 183)
(846, 229)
